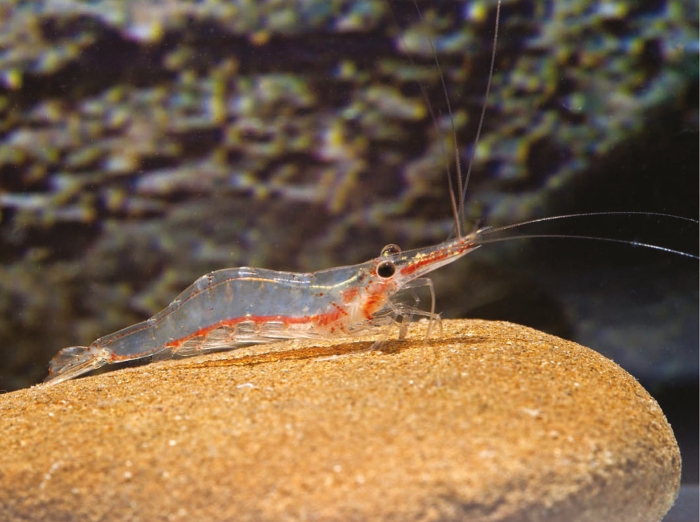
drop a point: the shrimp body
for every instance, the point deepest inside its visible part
(235, 306)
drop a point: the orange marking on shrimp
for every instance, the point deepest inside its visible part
(371, 305)
(318, 319)
(350, 295)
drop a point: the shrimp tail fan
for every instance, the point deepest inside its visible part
(71, 362)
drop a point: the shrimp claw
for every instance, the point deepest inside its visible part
(73, 361)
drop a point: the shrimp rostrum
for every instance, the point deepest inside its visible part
(231, 307)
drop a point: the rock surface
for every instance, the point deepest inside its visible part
(486, 422)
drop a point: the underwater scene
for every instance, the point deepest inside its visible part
(143, 144)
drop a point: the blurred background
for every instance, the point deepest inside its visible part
(144, 144)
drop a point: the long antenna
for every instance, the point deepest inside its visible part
(463, 194)
(462, 185)
(458, 210)
(481, 236)
(426, 100)
(592, 238)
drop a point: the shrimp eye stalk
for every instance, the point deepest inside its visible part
(386, 269)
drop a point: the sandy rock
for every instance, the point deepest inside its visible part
(487, 422)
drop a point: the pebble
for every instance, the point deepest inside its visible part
(485, 421)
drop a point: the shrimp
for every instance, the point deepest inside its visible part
(228, 308)
(235, 306)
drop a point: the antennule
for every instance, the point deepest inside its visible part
(483, 109)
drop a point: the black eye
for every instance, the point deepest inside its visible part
(386, 269)
(390, 250)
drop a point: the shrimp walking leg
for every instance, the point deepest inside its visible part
(404, 310)
(422, 282)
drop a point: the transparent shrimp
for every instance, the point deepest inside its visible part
(236, 306)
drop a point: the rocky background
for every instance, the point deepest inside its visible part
(144, 144)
